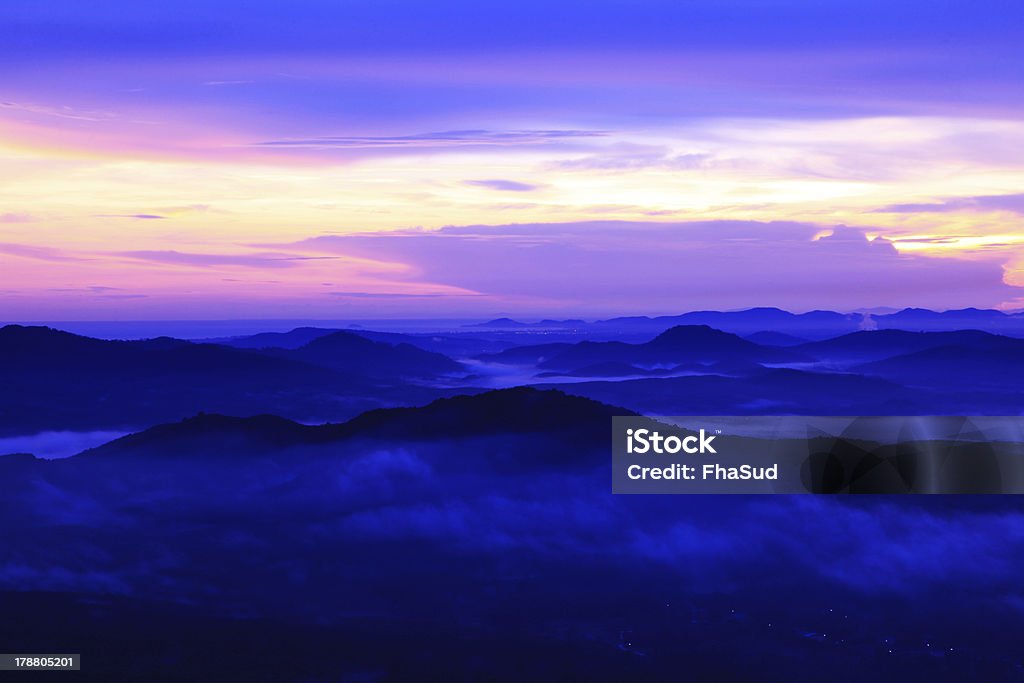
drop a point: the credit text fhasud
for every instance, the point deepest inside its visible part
(645, 441)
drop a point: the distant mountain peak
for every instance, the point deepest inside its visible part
(14, 331)
(691, 333)
(341, 338)
(699, 337)
(211, 433)
(500, 322)
(38, 338)
(353, 352)
(518, 409)
(765, 309)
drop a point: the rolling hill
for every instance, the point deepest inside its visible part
(684, 344)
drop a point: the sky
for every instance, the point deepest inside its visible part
(336, 159)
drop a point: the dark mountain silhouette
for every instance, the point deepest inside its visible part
(292, 339)
(458, 344)
(511, 324)
(455, 345)
(862, 347)
(521, 410)
(213, 434)
(503, 411)
(57, 380)
(769, 338)
(353, 353)
(389, 355)
(922, 319)
(680, 344)
(958, 368)
(814, 324)
(500, 323)
(42, 349)
(789, 392)
(14, 461)
(60, 381)
(822, 324)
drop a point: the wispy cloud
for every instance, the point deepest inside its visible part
(629, 157)
(188, 208)
(398, 295)
(15, 218)
(64, 112)
(503, 185)
(257, 260)
(138, 216)
(35, 252)
(94, 289)
(453, 138)
(1013, 203)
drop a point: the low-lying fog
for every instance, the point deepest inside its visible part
(52, 445)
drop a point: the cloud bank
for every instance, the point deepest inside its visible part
(670, 267)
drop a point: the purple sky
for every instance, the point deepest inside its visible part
(324, 159)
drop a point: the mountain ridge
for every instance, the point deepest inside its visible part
(514, 410)
(678, 345)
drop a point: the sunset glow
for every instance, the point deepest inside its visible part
(140, 177)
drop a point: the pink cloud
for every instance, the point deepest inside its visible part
(659, 267)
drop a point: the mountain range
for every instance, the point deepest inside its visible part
(809, 325)
(520, 410)
(57, 380)
(683, 344)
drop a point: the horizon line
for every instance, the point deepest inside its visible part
(874, 310)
